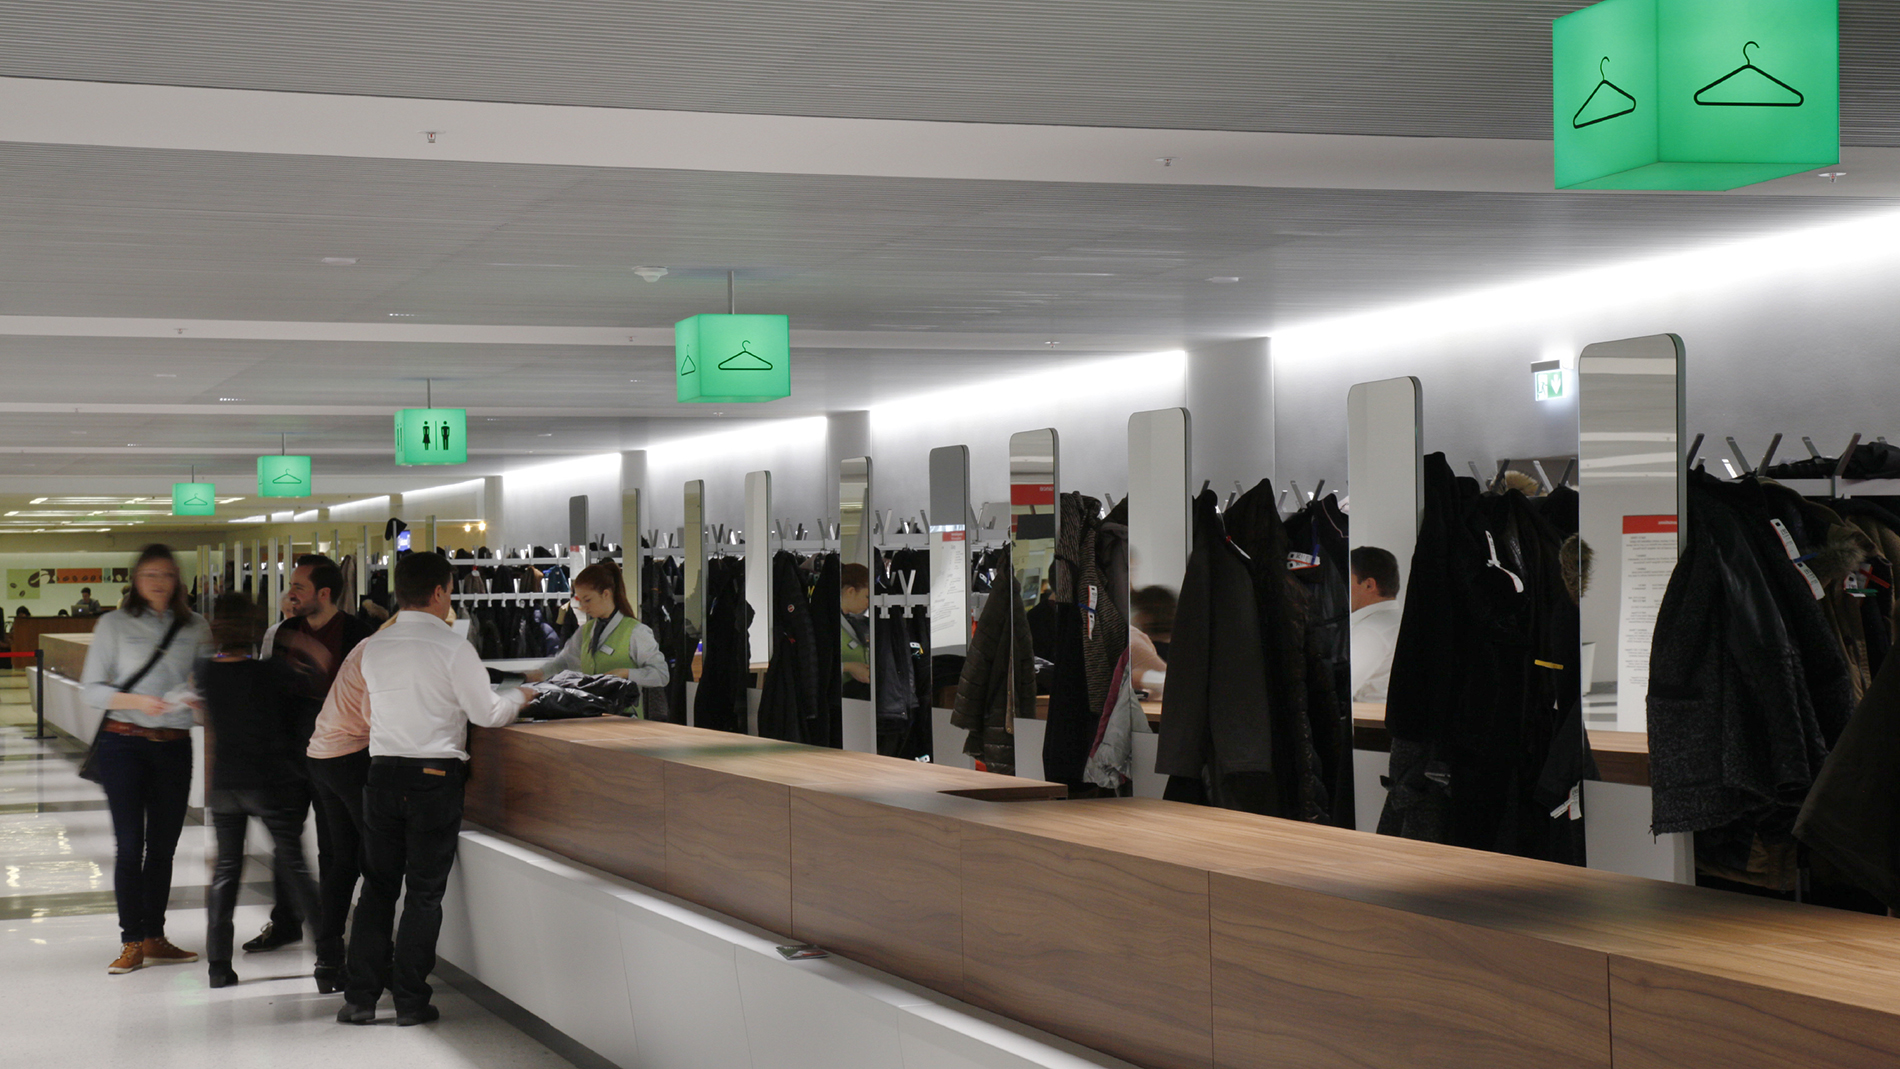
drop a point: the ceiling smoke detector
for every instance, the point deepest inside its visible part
(651, 274)
(338, 261)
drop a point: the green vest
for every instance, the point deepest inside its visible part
(616, 650)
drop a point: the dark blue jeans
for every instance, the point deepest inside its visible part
(281, 809)
(412, 820)
(147, 786)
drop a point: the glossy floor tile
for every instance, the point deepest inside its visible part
(58, 932)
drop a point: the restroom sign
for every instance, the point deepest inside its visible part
(432, 436)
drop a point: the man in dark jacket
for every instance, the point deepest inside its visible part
(318, 635)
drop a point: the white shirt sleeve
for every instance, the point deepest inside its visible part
(478, 700)
(649, 664)
(569, 659)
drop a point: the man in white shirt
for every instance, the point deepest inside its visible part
(1375, 621)
(424, 685)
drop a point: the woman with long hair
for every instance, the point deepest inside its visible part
(140, 661)
(611, 642)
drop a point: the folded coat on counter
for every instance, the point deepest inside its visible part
(565, 695)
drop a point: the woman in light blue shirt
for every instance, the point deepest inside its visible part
(144, 747)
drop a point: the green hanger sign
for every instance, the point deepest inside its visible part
(1695, 94)
(281, 476)
(194, 499)
(733, 359)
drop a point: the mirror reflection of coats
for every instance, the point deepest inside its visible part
(800, 698)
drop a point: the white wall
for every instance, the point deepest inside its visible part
(534, 500)
(1794, 333)
(793, 450)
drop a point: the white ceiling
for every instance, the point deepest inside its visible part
(145, 278)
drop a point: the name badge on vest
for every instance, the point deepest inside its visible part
(607, 650)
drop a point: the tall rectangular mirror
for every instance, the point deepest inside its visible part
(693, 581)
(1033, 478)
(632, 555)
(758, 564)
(950, 549)
(1159, 537)
(1632, 477)
(1384, 476)
(857, 654)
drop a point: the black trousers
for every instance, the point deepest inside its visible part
(285, 917)
(412, 819)
(147, 786)
(281, 809)
(337, 786)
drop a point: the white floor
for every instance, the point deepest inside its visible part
(58, 931)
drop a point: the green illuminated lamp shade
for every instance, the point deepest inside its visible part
(279, 476)
(733, 359)
(1695, 94)
(432, 436)
(194, 499)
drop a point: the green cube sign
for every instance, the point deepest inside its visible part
(283, 476)
(194, 499)
(1695, 94)
(432, 436)
(733, 358)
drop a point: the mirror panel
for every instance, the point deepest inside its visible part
(1160, 524)
(693, 542)
(1385, 472)
(633, 555)
(949, 549)
(858, 715)
(1033, 479)
(758, 564)
(1632, 478)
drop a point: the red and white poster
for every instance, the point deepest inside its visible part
(1649, 559)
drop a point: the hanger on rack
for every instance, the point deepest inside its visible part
(1577, 121)
(1747, 66)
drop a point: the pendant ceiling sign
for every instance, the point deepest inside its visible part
(1695, 94)
(280, 476)
(432, 436)
(733, 358)
(194, 499)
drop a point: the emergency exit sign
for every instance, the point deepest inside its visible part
(1548, 381)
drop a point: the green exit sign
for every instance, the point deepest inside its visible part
(432, 436)
(1548, 382)
(1695, 94)
(733, 358)
(283, 476)
(194, 499)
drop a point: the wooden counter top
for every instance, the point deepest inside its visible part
(1179, 936)
(1622, 756)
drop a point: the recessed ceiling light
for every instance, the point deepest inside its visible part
(401, 314)
(338, 261)
(131, 445)
(163, 375)
(230, 398)
(633, 380)
(1225, 278)
(549, 434)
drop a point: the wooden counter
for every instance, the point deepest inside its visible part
(30, 632)
(1622, 756)
(1179, 936)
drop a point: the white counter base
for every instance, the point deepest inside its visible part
(649, 981)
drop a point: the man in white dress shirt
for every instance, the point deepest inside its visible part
(424, 685)
(1375, 621)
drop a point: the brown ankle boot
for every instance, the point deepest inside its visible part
(160, 951)
(131, 956)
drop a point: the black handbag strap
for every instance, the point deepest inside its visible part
(178, 624)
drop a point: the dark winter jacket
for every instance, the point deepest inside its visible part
(1214, 722)
(726, 671)
(789, 699)
(1852, 815)
(1000, 659)
(1747, 686)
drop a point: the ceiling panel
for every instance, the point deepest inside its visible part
(1469, 68)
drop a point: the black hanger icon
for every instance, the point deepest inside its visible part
(1577, 120)
(687, 367)
(745, 360)
(196, 500)
(1748, 65)
(287, 478)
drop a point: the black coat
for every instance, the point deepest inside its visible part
(1852, 814)
(1215, 728)
(1000, 659)
(725, 666)
(789, 699)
